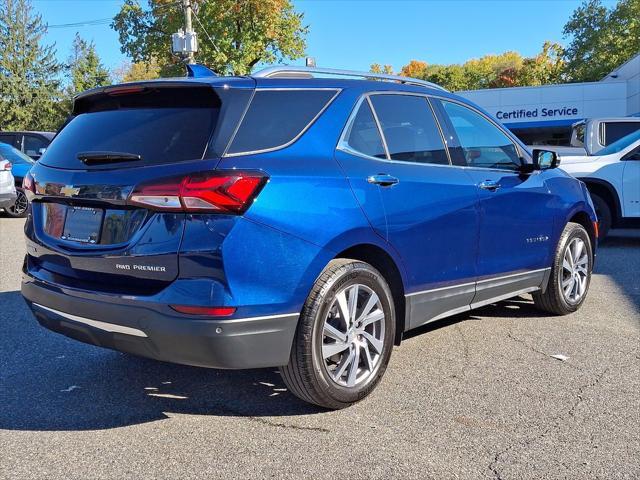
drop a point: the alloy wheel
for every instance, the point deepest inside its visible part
(353, 335)
(575, 271)
(21, 205)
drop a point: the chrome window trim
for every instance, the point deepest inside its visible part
(344, 146)
(294, 139)
(379, 125)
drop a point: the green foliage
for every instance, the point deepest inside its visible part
(233, 35)
(601, 38)
(85, 69)
(29, 73)
(508, 69)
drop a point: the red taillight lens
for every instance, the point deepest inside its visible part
(8, 166)
(28, 184)
(224, 192)
(209, 311)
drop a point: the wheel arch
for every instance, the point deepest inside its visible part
(582, 218)
(382, 261)
(608, 193)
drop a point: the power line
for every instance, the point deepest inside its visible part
(213, 44)
(105, 21)
(97, 21)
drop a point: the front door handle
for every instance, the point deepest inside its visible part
(489, 185)
(382, 179)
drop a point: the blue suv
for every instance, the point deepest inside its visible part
(298, 218)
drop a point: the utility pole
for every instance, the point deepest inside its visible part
(188, 30)
(185, 42)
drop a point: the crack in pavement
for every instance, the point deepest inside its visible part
(494, 465)
(541, 352)
(582, 389)
(465, 350)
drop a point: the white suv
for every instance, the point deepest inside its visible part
(613, 179)
(7, 185)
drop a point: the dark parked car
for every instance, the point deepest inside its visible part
(286, 220)
(30, 143)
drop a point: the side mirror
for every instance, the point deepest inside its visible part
(41, 151)
(545, 159)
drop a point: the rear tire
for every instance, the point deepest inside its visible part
(603, 212)
(344, 336)
(570, 274)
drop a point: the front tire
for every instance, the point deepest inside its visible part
(344, 337)
(570, 274)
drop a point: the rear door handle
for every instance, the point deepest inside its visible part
(489, 185)
(383, 180)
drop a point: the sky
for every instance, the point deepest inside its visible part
(353, 34)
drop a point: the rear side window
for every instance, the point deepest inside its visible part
(614, 131)
(276, 118)
(410, 129)
(33, 145)
(363, 135)
(481, 143)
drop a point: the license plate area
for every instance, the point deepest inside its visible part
(82, 224)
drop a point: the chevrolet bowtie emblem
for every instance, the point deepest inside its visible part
(69, 191)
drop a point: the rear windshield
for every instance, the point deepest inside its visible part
(159, 135)
(277, 117)
(162, 125)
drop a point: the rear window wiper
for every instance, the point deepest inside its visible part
(91, 158)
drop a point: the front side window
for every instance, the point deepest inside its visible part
(481, 143)
(363, 135)
(277, 117)
(410, 129)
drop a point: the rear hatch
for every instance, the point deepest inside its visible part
(85, 230)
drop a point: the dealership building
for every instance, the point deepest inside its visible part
(544, 115)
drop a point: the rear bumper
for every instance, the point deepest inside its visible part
(7, 199)
(155, 331)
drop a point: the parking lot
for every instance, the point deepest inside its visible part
(476, 396)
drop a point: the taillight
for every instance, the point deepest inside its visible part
(7, 166)
(28, 184)
(222, 192)
(209, 311)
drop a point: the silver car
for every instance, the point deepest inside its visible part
(7, 185)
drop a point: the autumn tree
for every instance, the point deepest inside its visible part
(545, 68)
(384, 69)
(233, 36)
(133, 72)
(29, 72)
(601, 38)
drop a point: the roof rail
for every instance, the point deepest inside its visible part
(292, 71)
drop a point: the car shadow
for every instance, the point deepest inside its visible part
(619, 259)
(50, 382)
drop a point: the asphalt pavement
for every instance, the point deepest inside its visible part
(476, 396)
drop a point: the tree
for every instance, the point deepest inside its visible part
(601, 38)
(132, 72)
(508, 69)
(385, 69)
(29, 72)
(233, 36)
(85, 69)
(545, 68)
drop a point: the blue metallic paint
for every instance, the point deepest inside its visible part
(436, 225)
